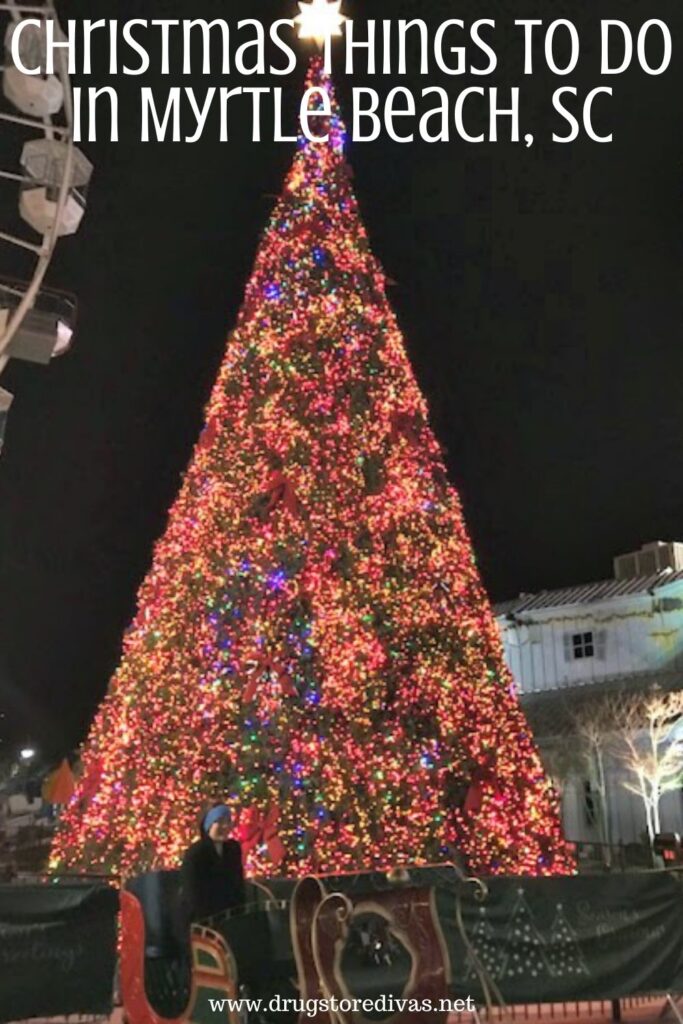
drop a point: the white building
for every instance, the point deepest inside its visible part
(622, 633)
(18, 812)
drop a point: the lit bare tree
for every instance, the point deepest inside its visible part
(635, 731)
(649, 750)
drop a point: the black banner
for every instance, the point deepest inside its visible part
(57, 950)
(537, 940)
(554, 939)
(551, 940)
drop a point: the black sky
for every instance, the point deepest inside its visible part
(540, 295)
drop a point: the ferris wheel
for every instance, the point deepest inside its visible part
(43, 186)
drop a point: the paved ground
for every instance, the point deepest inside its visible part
(633, 1011)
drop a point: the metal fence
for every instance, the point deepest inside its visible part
(597, 857)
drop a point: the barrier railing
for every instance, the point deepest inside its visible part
(592, 857)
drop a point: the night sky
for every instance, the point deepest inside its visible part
(540, 295)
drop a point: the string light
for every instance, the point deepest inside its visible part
(313, 644)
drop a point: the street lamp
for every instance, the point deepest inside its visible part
(27, 754)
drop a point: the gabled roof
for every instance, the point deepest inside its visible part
(588, 593)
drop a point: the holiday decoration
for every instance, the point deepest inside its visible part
(486, 953)
(564, 952)
(260, 831)
(319, 20)
(59, 786)
(526, 947)
(313, 645)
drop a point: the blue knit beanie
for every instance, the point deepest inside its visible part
(218, 813)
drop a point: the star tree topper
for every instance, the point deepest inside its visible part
(320, 19)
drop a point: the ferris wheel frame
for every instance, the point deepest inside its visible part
(46, 126)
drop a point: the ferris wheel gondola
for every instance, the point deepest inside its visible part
(52, 177)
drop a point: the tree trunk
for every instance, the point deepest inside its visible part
(605, 824)
(648, 813)
(656, 811)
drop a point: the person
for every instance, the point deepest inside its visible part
(212, 874)
(212, 882)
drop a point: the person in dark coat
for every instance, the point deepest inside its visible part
(212, 876)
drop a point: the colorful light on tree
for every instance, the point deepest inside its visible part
(313, 644)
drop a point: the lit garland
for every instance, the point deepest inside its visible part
(313, 644)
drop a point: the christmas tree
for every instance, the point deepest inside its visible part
(526, 955)
(564, 952)
(486, 952)
(312, 643)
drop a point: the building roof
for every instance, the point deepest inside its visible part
(588, 593)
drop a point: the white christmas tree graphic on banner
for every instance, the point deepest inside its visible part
(564, 953)
(485, 948)
(526, 953)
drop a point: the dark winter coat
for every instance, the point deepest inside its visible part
(211, 882)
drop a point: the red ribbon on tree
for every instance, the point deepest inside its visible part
(209, 434)
(403, 425)
(481, 776)
(259, 829)
(474, 799)
(281, 491)
(276, 671)
(89, 783)
(347, 837)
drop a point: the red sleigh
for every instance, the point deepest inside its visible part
(318, 952)
(213, 972)
(322, 924)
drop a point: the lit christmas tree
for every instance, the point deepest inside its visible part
(313, 644)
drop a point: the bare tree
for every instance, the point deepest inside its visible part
(593, 723)
(559, 761)
(574, 741)
(634, 731)
(650, 751)
(558, 752)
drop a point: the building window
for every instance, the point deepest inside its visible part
(583, 645)
(578, 646)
